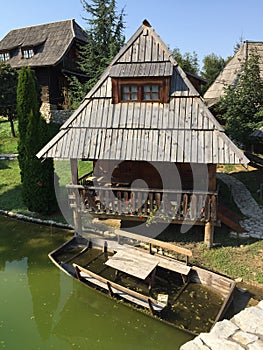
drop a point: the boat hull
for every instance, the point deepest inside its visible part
(171, 293)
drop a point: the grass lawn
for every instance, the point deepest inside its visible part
(8, 144)
(233, 257)
(10, 187)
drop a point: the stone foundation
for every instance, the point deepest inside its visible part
(53, 115)
(59, 116)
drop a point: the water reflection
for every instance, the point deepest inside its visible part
(42, 308)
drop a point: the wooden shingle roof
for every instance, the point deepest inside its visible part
(182, 130)
(230, 73)
(257, 135)
(50, 42)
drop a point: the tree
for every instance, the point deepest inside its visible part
(26, 102)
(212, 66)
(104, 40)
(242, 103)
(8, 83)
(188, 61)
(37, 178)
(238, 44)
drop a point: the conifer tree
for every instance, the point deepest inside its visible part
(37, 178)
(104, 40)
(26, 102)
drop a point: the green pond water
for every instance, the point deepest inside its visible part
(42, 308)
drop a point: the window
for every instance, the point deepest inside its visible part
(151, 92)
(129, 93)
(27, 52)
(4, 56)
(147, 90)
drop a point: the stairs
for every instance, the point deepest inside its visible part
(229, 218)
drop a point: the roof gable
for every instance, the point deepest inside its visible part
(231, 71)
(50, 41)
(182, 130)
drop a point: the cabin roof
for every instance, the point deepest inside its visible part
(50, 42)
(141, 69)
(182, 130)
(257, 134)
(230, 73)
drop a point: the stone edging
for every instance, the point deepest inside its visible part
(35, 220)
(9, 156)
(243, 332)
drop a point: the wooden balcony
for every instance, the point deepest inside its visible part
(151, 205)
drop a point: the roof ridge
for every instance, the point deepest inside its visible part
(41, 24)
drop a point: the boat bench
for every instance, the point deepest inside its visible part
(122, 292)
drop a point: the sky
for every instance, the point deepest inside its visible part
(201, 26)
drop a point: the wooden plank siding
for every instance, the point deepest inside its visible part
(181, 114)
(181, 130)
(171, 145)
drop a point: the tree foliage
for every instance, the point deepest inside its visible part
(187, 61)
(104, 40)
(212, 66)
(37, 178)
(243, 101)
(8, 83)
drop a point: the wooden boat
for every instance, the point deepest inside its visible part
(147, 274)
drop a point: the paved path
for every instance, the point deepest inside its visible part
(253, 224)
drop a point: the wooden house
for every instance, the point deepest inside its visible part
(229, 74)
(51, 50)
(153, 142)
(256, 140)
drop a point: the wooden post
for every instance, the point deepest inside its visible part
(151, 306)
(105, 247)
(209, 234)
(76, 211)
(110, 289)
(211, 177)
(77, 272)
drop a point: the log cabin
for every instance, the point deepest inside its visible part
(51, 50)
(153, 142)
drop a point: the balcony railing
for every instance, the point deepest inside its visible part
(149, 204)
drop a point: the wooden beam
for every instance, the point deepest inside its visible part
(165, 245)
(74, 170)
(76, 212)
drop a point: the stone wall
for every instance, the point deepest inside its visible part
(243, 332)
(59, 116)
(53, 115)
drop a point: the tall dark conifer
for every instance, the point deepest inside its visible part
(104, 40)
(37, 179)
